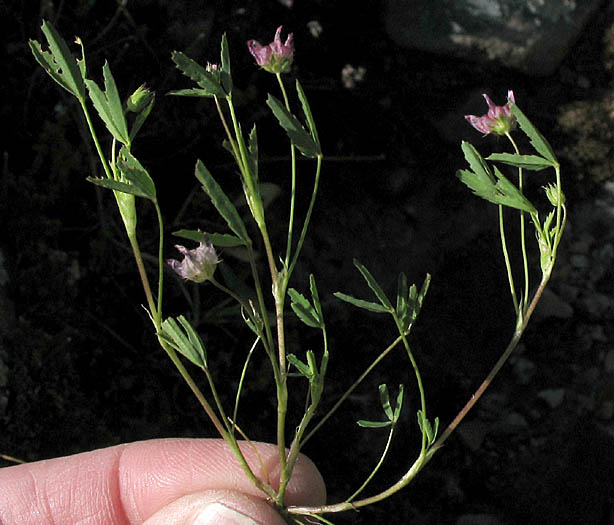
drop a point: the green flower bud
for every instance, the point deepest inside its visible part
(553, 193)
(140, 99)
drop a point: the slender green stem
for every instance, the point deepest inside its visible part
(231, 140)
(414, 364)
(354, 385)
(144, 279)
(376, 468)
(561, 213)
(523, 240)
(240, 386)
(158, 311)
(417, 466)
(103, 160)
(495, 369)
(232, 443)
(218, 403)
(194, 388)
(312, 202)
(229, 292)
(253, 195)
(506, 257)
(131, 237)
(426, 455)
(268, 341)
(311, 405)
(293, 178)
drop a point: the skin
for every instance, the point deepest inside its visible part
(152, 482)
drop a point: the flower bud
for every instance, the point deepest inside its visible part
(553, 193)
(140, 99)
(199, 264)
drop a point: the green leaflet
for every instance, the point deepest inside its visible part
(538, 141)
(222, 240)
(294, 129)
(133, 171)
(60, 63)
(184, 339)
(109, 106)
(225, 74)
(303, 309)
(308, 115)
(528, 162)
(221, 202)
(360, 303)
(409, 300)
(375, 287)
(310, 314)
(428, 429)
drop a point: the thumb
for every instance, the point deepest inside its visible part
(221, 507)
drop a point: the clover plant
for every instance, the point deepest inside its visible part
(265, 313)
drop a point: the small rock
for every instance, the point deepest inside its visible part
(523, 34)
(473, 432)
(606, 410)
(511, 424)
(597, 333)
(525, 369)
(516, 420)
(552, 396)
(477, 519)
(551, 305)
(598, 305)
(580, 261)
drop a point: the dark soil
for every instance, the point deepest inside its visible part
(79, 366)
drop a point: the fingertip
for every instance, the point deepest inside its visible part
(220, 507)
(306, 487)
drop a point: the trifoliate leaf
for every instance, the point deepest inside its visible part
(184, 339)
(303, 309)
(207, 80)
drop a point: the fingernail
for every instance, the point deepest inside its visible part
(222, 515)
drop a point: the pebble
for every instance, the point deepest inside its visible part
(525, 369)
(552, 396)
(478, 519)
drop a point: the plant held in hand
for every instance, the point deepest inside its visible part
(265, 315)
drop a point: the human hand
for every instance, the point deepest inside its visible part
(164, 481)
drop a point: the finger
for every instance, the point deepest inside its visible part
(217, 507)
(127, 484)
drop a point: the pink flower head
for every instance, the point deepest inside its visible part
(198, 265)
(499, 119)
(276, 57)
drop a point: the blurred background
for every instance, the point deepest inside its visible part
(389, 83)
